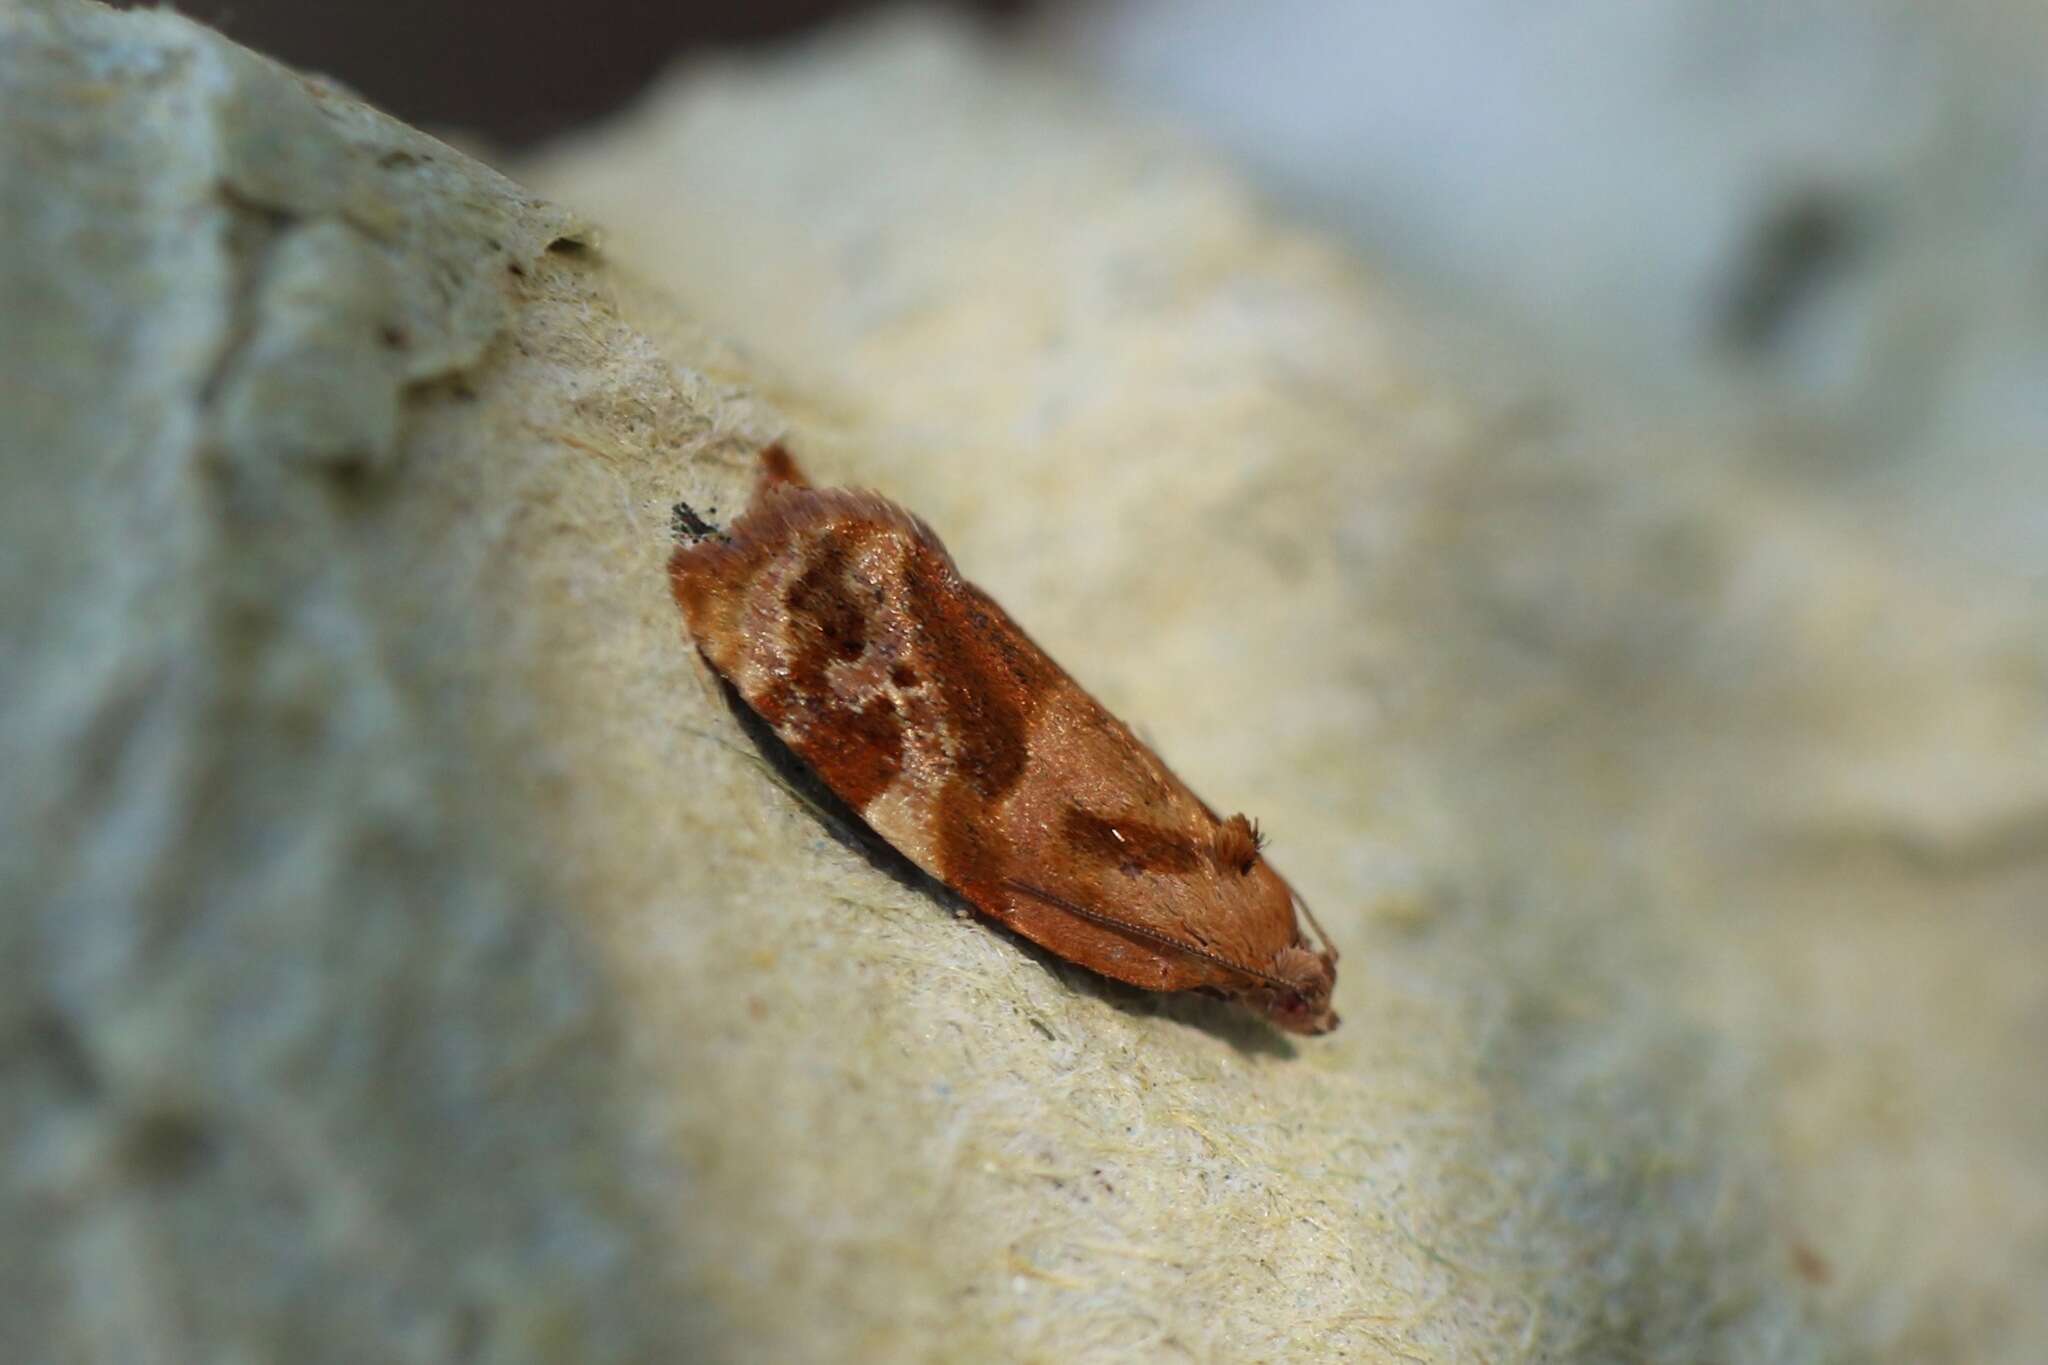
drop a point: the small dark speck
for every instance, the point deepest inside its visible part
(517, 269)
(1810, 1265)
(52, 1034)
(351, 474)
(1801, 246)
(393, 160)
(684, 523)
(568, 246)
(167, 1145)
(394, 337)
(470, 1330)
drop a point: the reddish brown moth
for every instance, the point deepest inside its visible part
(840, 619)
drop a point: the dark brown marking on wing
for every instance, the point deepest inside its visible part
(983, 696)
(1027, 665)
(858, 753)
(985, 703)
(827, 601)
(854, 744)
(1130, 846)
(974, 855)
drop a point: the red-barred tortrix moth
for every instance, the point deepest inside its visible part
(840, 619)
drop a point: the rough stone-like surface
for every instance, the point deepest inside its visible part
(303, 1054)
(406, 955)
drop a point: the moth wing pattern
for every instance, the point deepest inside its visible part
(843, 622)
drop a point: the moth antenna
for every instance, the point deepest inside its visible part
(1141, 931)
(1329, 944)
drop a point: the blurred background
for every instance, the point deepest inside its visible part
(432, 63)
(1808, 233)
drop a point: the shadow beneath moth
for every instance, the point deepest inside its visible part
(841, 621)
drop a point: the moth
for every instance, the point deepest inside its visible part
(840, 620)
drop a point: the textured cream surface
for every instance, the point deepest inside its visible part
(406, 954)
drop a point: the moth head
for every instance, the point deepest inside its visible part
(1300, 1001)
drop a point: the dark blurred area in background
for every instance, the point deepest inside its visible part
(1807, 235)
(516, 71)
